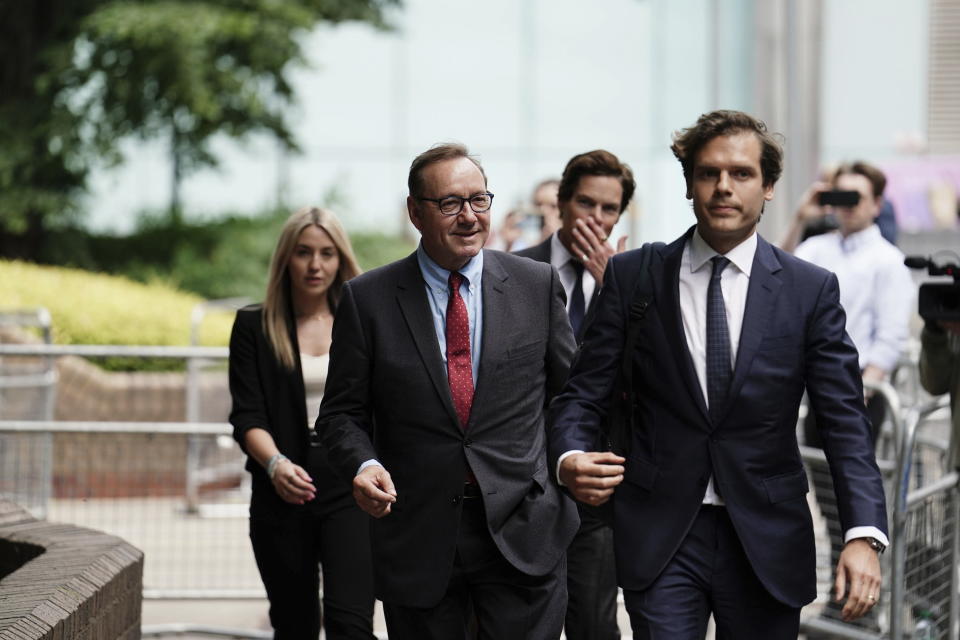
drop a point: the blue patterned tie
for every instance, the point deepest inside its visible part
(577, 303)
(718, 342)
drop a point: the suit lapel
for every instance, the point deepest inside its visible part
(666, 281)
(762, 294)
(412, 299)
(494, 340)
(542, 251)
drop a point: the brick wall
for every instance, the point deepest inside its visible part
(85, 585)
(88, 465)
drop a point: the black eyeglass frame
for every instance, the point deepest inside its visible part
(462, 201)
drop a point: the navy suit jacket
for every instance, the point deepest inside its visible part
(793, 337)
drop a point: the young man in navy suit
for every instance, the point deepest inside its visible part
(710, 510)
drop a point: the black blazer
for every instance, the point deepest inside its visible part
(792, 337)
(389, 399)
(267, 395)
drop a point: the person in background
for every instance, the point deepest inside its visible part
(302, 516)
(546, 204)
(523, 227)
(813, 219)
(940, 373)
(876, 289)
(595, 190)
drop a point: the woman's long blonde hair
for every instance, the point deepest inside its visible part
(277, 305)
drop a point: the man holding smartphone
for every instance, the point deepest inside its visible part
(876, 289)
(876, 292)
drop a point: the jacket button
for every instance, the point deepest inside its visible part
(467, 442)
(457, 499)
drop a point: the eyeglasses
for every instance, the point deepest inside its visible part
(453, 205)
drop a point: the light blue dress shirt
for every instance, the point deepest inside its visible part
(436, 280)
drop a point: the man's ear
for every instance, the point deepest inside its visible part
(412, 212)
(879, 202)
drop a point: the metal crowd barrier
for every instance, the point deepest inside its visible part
(123, 484)
(822, 617)
(176, 490)
(925, 536)
(919, 595)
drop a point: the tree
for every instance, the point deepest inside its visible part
(78, 76)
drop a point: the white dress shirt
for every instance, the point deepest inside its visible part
(563, 262)
(695, 272)
(876, 291)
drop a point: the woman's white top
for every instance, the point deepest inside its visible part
(314, 380)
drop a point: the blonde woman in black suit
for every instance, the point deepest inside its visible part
(302, 516)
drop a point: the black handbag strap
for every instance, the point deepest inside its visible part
(623, 403)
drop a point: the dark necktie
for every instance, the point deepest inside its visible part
(577, 304)
(459, 368)
(718, 342)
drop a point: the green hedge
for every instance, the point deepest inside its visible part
(225, 258)
(91, 308)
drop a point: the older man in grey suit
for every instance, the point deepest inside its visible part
(440, 369)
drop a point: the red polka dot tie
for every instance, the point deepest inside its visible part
(459, 368)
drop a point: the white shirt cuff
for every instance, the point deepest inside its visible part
(865, 532)
(368, 463)
(560, 461)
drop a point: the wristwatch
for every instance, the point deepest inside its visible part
(876, 545)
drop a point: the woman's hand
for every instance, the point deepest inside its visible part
(292, 483)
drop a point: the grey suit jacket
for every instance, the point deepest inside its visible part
(388, 398)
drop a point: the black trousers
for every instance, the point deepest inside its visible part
(291, 544)
(509, 605)
(710, 572)
(591, 581)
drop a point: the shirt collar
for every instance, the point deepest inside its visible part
(559, 256)
(859, 239)
(438, 278)
(741, 255)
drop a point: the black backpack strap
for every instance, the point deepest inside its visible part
(623, 402)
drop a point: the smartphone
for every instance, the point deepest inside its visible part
(838, 198)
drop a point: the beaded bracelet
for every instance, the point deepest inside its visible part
(273, 462)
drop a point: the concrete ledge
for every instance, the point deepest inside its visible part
(82, 585)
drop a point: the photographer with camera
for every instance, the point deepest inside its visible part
(940, 372)
(940, 340)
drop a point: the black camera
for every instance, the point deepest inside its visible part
(838, 198)
(938, 300)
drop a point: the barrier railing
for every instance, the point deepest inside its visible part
(176, 490)
(923, 525)
(125, 485)
(925, 536)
